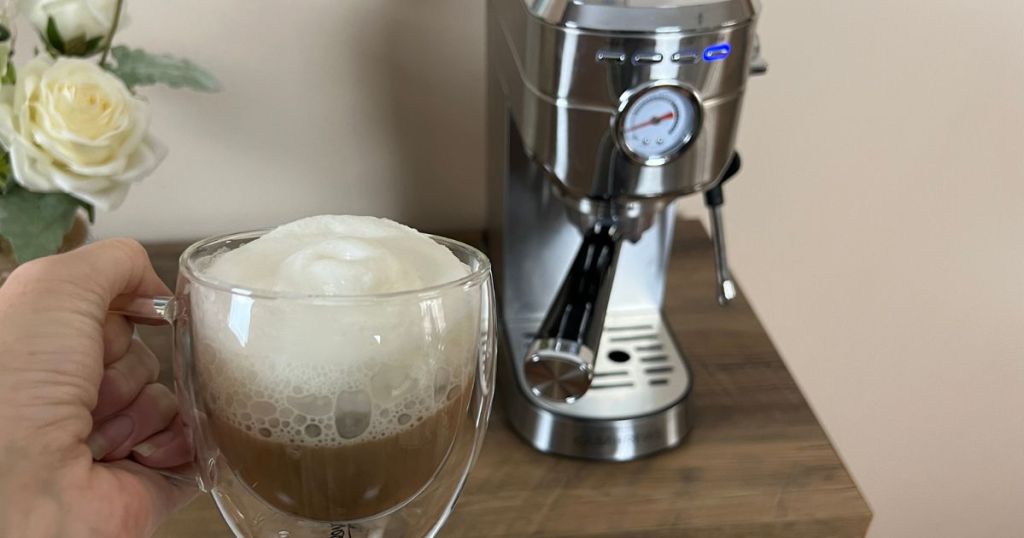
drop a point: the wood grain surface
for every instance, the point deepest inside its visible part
(757, 463)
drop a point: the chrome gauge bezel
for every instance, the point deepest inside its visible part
(631, 97)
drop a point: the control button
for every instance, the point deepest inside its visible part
(715, 53)
(647, 58)
(611, 56)
(686, 57)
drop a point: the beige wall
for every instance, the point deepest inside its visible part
(878, 230)
(877, 227)
(360, 106)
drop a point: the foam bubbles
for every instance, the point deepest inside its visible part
(323, 373)
(352, 411)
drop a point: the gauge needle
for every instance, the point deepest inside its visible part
(653, 121)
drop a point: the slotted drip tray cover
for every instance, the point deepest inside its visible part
(638, 371)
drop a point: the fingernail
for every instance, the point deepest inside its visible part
(144, 450)
(154, 444)
(110, 435)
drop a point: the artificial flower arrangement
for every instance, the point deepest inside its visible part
(74, 134)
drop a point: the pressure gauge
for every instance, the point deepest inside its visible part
(657, 122)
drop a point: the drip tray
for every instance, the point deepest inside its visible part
(638, 371)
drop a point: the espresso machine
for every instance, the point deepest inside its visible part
(601, 113)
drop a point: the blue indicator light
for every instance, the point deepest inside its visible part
(715, 53)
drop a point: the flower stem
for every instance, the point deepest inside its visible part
(113, 29)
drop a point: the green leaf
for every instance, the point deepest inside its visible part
(35, 223)
(5, 32)
(80, 46)
(52, 37)
(11, 76)
(90, 211)
(6, 174)
(137, 67)
(93, 45)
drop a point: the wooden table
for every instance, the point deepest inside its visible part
(757, 463)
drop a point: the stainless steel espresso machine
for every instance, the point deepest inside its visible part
(601, 113)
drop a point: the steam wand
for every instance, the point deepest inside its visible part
(713, 199)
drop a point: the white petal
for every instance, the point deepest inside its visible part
(35, 11)
(7, 132)
(140, 116)
(105, 200)
(73, 183)
(114, 168)
(146, 158)
(70, 155)
(31, 172)
(74, 19)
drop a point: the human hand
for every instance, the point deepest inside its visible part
(83, 423)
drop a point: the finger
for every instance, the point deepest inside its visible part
(124, 380)
(151, 412)
(162, 494)
(117, 337)
(61, 302)
(118, 267)
(167, 449)
(95, 273)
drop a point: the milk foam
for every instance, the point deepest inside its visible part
(334, 368)
(339, 255)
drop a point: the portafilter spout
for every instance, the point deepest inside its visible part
(559, 365)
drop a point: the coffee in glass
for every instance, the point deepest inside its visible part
(334, 371)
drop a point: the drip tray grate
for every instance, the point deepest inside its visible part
(639, 370)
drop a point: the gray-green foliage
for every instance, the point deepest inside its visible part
(137, 67)
(35, 223)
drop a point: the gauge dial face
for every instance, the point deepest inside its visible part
(658, 123)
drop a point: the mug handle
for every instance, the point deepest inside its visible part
(145, 309)
(157, 310)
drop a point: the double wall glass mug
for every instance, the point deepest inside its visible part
(323, 416)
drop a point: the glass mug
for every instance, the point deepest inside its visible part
(324, 416)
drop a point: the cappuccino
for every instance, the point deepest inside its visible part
(336, 385)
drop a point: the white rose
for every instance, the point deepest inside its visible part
(74, 19)
(72, 127)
